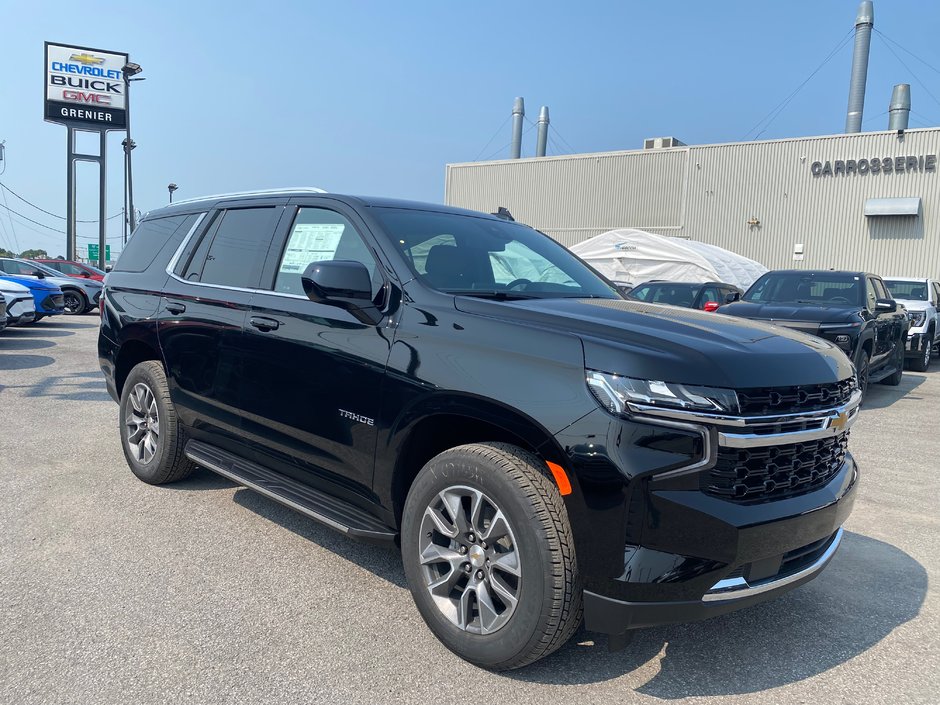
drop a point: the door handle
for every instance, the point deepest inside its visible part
(175, 307)
(264, 324)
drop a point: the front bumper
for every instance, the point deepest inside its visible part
(915, 343)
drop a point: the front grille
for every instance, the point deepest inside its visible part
(53, 302)
(774, 472)
(764, 401)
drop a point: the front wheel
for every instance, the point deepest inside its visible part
(75, 302)
(489, 555)
(862, 369)
(922, 361)
(895, 378)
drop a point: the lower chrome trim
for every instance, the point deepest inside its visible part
(738, 588)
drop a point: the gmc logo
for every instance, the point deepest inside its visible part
(82, 97)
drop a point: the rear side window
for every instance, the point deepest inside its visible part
(152, 237)
(232, 252)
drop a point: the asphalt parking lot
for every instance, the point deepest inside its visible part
(112, 591)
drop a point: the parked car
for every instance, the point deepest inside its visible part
(48, 299)
(70, 268)
(921, 298)
(81, 295)
(705, 296)
(19, 303)
(3, 313)
(464, 387)
(852, 310)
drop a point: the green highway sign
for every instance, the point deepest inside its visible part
(93, 252)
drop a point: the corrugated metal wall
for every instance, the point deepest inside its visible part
(709, 193)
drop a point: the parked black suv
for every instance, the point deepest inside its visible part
(465, 387)
(851, 309)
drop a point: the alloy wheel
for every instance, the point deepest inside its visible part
(142, 421)
(927, 351)
(470, 560)
(73, 303)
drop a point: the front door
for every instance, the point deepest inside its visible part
(313, 381)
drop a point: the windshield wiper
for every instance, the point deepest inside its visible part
(491, 294)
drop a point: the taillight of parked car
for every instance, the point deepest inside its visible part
(711, 305)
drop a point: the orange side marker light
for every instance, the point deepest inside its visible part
(561, 478)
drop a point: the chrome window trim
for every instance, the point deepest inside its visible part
(179, 250)
(738, 588)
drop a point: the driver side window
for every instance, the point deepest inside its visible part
(870, 294)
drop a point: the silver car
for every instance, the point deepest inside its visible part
(81, 295)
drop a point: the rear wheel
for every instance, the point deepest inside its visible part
(150, 430)
(489, 556)
(75, 302)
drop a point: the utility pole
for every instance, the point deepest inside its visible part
(130, 70)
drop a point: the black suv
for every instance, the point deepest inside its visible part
(851, 309)
(464, 387)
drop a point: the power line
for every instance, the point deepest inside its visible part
(498, 130)
(913, 75)
(905, 49)
(508, 144)
(775, 113)
(43, 210)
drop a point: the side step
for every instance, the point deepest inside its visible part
(333, 512)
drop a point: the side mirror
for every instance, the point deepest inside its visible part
(107, 269)
(344, 284)
(732, 297)
(39, 273)
(85, 274)
(886, 305)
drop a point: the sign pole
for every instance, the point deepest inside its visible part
(128, 148)
(102, 201)
(70, 225)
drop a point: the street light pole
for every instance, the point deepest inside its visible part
(130, 70)
(171, 188)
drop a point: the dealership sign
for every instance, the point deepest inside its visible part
(919, 163)
(85, 87)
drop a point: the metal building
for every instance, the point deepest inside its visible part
(868, 200)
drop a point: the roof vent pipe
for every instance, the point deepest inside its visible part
(518, 115)
(900, 109)
(543, 132)
(864, 22)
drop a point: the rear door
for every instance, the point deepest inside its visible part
(203, 312)
(314, 373)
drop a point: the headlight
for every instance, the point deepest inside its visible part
(619, 394)
(917, 318)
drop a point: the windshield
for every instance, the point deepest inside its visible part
(672, 294)
(913, 291)
(464, 254)
(821, 288)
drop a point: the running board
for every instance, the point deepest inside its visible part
(335, 513)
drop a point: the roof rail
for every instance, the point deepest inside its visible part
(264, 192)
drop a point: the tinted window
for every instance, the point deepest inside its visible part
(824, 288)
(21, 268)
(870, 295)
(880, 289)
(914, 291)
(936, 290)
(150, 238)
(669, 294)
(318, 235)
(479, 256)
(236, 255)
(67, 268)
(710, 295)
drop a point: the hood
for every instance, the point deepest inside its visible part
(913, 304)
(33, 283)
(11, 287)
(678, 344)
(808, 313)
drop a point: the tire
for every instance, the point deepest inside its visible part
(862, 369)
(537, 546)
(75, 302)
(145, 399)
(922, 362)
(895, 378)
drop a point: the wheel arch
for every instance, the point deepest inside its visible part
(441, 423)
(132, 353)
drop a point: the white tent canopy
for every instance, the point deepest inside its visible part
(634, 256)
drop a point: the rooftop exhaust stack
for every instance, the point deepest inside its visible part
(900, 109)
(864, 22)
(518, 115)
(543, 132)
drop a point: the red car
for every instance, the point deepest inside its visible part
(74, 269)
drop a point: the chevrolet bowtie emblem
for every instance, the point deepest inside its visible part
(838, 422)
(87, 59)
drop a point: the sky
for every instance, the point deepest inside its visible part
(376, 97)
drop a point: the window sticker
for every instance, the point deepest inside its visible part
(311, 242)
